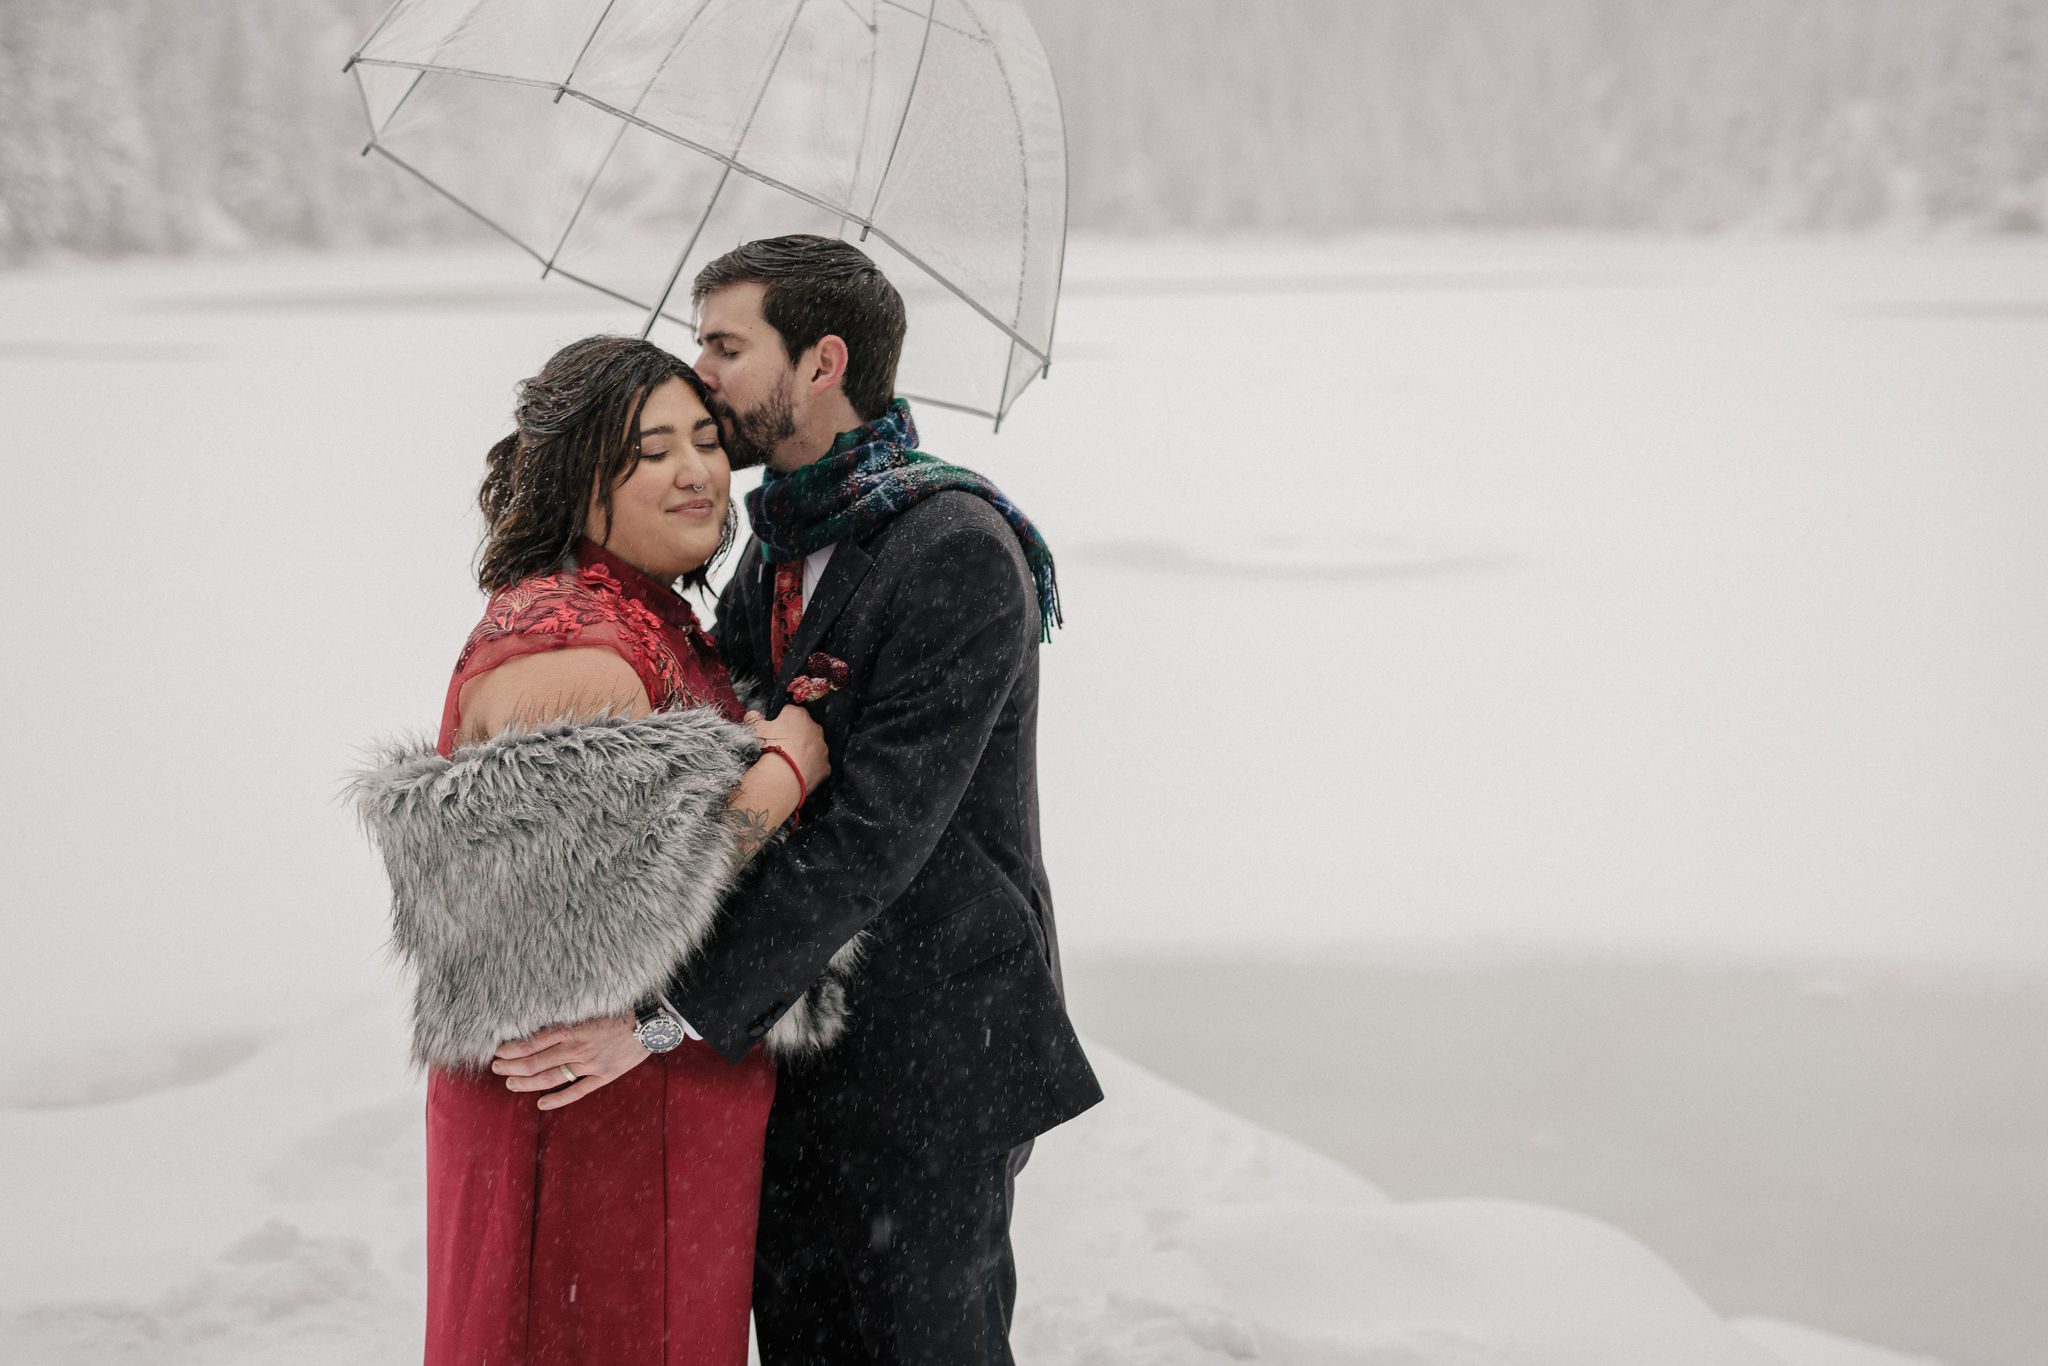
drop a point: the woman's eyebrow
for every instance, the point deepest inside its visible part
(706, 421)
(663, 430)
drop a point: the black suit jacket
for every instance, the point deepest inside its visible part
(925, 836)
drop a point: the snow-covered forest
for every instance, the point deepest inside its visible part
(173, 125)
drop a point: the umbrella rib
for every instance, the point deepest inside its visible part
(428, 181)
(869, 24)
(507, 234)
(425, 68)
(588, 190)
(957, 407)
(950, 28)
(371, 37)
(588, 39)
(962, 295)
(753, 112)
(761, 95)
(1023, 165)
(417, 76)
(924, 46)
(369, 119)
(611, 293)
(1003, 394)
(620, 136)
(867, 113)
(683, 257)
(1059, 279)
(666, 57)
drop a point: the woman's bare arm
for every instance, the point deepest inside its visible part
(578, 683)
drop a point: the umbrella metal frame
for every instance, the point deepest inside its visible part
(730, 164)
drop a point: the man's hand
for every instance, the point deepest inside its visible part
(598, 1051)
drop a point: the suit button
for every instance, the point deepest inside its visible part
(764, 1020)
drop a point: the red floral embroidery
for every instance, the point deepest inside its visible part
(566, 605)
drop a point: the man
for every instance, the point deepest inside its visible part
(891, 1153)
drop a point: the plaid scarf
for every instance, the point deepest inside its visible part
(871, 474)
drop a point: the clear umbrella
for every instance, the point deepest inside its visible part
(624, 143)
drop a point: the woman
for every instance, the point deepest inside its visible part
(564, 844)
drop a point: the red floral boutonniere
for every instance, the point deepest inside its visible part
(822, 674)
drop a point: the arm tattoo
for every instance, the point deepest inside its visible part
(750, 830)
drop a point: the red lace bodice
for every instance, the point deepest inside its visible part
(598, 600)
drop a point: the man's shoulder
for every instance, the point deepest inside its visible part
(944, 518)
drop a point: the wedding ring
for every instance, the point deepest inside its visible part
(567, 1073)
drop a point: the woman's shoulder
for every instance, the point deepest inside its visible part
(570, 607)
(564, 606)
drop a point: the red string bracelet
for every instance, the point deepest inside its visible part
(803, 789)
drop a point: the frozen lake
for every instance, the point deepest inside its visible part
(1862, 1148)
(1587, 598)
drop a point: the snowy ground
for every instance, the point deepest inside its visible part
(277, 1219)
(1609, 598)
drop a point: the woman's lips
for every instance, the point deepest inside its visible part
(700, 508)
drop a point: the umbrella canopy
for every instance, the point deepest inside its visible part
(625, 143)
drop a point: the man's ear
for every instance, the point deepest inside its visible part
(827, 365)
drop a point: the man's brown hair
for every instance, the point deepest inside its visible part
(817, 287)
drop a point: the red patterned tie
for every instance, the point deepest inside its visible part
(786, 611)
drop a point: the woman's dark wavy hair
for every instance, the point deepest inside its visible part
(572, 444)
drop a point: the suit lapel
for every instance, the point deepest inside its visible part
(843, 572)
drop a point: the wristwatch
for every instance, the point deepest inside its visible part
(659, 1028)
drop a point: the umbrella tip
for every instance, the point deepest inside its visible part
(349, 65)
(368, 148)
(560, 91)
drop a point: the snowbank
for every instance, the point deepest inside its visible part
(1159, 1229)
(272, 1212)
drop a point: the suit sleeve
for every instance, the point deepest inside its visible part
(954, 638)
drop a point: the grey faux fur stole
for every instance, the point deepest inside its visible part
(551, 875)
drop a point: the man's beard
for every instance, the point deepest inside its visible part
(751, 437)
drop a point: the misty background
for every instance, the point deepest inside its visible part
(182, 125)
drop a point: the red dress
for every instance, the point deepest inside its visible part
(617, 1231)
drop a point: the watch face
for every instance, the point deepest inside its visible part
(659, 1035)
